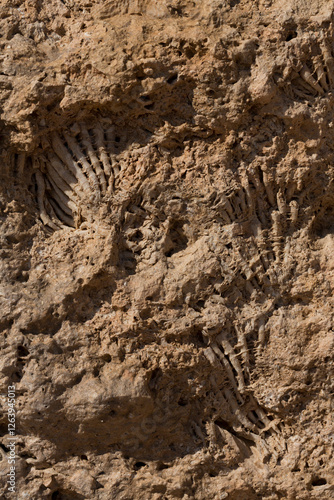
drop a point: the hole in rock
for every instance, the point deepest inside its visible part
(106, 358)
(162, 466)
(138, 235)
(139, 465)
(17, 377)
(172, 79)
(291, 35)
(319, 481)
(145, 98)
(22, 351)
(182, 402)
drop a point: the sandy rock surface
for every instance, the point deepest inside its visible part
(167, 248)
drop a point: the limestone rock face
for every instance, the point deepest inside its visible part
(167, 249)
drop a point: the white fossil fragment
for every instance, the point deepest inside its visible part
(62, 216)
(63, 153)
(321, 72)
(240, 415)
(231, 355)
(281, 203)
(85, 165)
(228, 369)
(55, 165)
(103, 155)
(294, 211)
(308, 78)
(58, 181)
(328, 60)
(87, 142)
(40, 196)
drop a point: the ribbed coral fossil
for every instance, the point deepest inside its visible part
(75, 168)
(309, 70)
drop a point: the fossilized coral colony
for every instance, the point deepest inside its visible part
(77, 170)
(173, 220)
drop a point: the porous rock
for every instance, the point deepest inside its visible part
(167, 248)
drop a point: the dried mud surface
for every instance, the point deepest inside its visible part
(167, 248)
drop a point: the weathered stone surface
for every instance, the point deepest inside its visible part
(167, 243)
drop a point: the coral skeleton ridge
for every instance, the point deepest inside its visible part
(74, 169)
(315, 76)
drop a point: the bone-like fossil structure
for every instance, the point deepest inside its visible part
(276, 213)
(312, 77)
(47, 220)
(245, 415)
(76, 169)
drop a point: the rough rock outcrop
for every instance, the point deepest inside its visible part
(167, 242)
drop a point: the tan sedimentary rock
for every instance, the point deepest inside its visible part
(167, 247)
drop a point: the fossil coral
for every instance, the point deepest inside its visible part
(75, 169)
(166, 248)
(312, 72)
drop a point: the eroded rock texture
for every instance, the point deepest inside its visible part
(167, 265)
